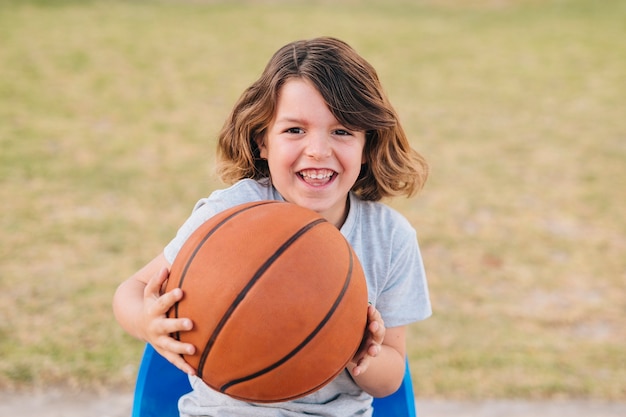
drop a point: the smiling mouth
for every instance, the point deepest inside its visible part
(317, 177)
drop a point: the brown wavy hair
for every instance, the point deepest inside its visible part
(354, 95)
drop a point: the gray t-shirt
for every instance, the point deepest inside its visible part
(385, 243)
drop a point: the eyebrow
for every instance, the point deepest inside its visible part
(289, 119)
(303, 122)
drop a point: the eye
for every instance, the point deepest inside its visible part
(342, 132)
(294, 130)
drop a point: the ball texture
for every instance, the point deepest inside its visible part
(278, 300)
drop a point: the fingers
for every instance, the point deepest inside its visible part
(170, 348)
(181, 364)
(372, 341)
(177, 360)
(156, 282)
(376, 324)
(158, 328)
(163, 326)
(170, 344)
(159, 303)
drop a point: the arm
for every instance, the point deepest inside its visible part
(378, 367)
(140, 307)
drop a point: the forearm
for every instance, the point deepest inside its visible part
(384, 373)
(128, 306)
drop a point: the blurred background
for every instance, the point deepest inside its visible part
(109, 112)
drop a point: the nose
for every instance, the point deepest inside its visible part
(318, 146)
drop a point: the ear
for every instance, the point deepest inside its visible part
(260, 143)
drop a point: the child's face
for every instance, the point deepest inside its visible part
(313, 159)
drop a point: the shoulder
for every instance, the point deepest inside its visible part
(244, 191)
(380, 219)
(375, 229)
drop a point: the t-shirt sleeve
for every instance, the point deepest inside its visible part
(404, 298)
(202, 211)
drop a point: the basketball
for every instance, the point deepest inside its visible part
(278, 300)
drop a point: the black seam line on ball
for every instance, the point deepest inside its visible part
(310, 337)
(242, 294)
(202, 242)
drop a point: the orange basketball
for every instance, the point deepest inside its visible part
(278, 299)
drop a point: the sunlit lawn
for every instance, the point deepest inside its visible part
(108, 117)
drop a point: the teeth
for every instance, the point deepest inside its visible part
(317, 176)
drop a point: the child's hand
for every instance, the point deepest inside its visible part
(372, 341)
(158, 328)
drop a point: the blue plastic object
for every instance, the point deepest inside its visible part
(160, 384)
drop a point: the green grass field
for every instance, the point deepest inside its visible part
(108, 117)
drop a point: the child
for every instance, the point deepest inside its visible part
(317, 130)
